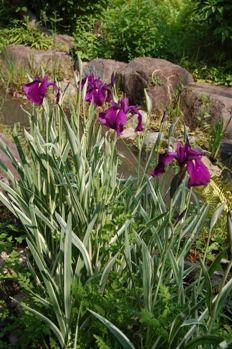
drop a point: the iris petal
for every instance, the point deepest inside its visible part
(192, 153)
(121, 117)
(134, 110)
(125, 104)
(164, 160)
(188, 159)
(44, 86)
(181, 153)
(140, 125)
(97, 91)
(37, 89)
(89, 95)
(103, 95)
(114, 118)
(198, 173)
(33, 93)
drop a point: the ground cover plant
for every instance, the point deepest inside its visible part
(22, 32)
(108, 255)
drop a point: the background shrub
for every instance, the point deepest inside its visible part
(218, 14)
(25, 34)
(132, 28)
(217, 17)
(125, 30)
(86, 37)
(60, 14)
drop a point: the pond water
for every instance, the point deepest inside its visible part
(10, 110)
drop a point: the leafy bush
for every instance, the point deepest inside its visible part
(218, 14)
(214, 17)
(86, 38)
(56, 15)
(161, 29)
(133, 28)
(117, 35)
(63, 14)
(8, 13)
(21, 32)
(218, 75)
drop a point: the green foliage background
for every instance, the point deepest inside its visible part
(178, 30)
(196, 34)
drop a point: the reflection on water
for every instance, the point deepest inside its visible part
(129, 166)
(10, 110)
(129, 159)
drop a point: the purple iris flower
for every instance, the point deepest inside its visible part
(37, 89)
(188, 159)
(115, 117)
(97, 91)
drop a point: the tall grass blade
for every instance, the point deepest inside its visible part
(68, 268)
(51, 324)
(122, 339)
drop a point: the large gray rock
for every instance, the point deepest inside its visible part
(204, 104)
(103, 68)
(161, 79)
(63, 42)
(28, 59)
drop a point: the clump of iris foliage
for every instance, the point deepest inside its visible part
(108, 254)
